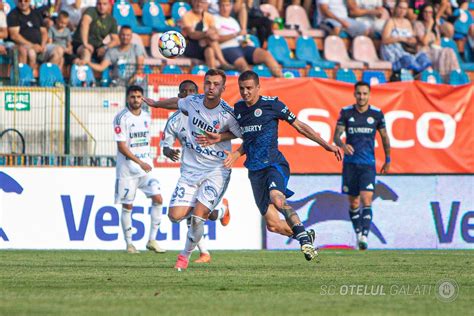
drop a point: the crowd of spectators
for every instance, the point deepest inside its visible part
(84, 32)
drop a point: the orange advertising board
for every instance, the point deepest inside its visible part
(430, 126)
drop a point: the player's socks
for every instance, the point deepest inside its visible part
(195, 233)
(201, 244)
(220, 209)
(354, 214)
(300, 234)
(155, 215)
(366, 220)
(127, 225)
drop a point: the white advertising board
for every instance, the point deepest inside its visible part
(73, 208)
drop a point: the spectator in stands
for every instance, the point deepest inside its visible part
(27, 32)
(234, 47)
(126, 60)
(74, 8)
(45, 9)
(399, 45)
(444, 17)
(3, 32)
(59, 48)
(96, 23)
(333, 17)
(199, 27)
(258, 19)
(429, 41)
(239, 11)
(370, 12)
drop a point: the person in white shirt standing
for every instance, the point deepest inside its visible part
(132, 133)
(204, 178)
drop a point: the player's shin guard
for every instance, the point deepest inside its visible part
(155, 215)
(127, 225)
(366, 220)
(355, 216)
(300, 234)
(195, 233)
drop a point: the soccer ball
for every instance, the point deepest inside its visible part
(172, 44)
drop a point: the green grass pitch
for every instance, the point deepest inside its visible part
(235, 283)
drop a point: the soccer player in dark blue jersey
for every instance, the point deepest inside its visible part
(258, 117)
(360, 121)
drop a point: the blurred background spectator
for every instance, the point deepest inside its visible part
(399, 45)
(370, 12)
(333, 17)
(59, 48)
(96, 23)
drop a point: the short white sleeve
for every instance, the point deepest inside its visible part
(234, 127)
(171, 131)
(120, 129)
(183, 104)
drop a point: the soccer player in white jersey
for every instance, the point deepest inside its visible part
(176, 129)
(204, 178)
(132, 133)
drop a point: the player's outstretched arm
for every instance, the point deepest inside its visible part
(170, 104)
(122, 147)
(308, 132)
(386, 148)
(233, 156)
(348, 149)
(209, 138)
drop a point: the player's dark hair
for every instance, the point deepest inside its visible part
(63, 14)
(188, 82)
(216, 72)
(249, 75)
(134, 88)
(126, 27)
(361, 84)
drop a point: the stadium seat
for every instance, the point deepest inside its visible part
(307, 50)
(317, 72)
(290, 73)
(155, 53)
(346, 75)
(253, 41)
(335, 50)
(462, 23)
(25, 74)
(271, 10)
(458, 77)
(468, 53)
(232, 73)
(81, 76)
(374, 77)
(178, 10)
(363, 49)
(406, 75)
(105, 78)
(124, 15)
(278, 47)
(136, 39)
(199, 70)
(431, 76)
(50, 75)
(172, 70)
(447, 42)
(296, 15)
(153, 16)
(262, 71)
(8, 6)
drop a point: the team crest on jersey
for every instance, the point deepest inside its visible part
(118, 130)
(345, 189)
(257, 113)
(216, 124)
(370, 120)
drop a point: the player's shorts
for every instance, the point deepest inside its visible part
(274, 177)
(231, 54)
(207, 189)
(125, 189)
(356, 178)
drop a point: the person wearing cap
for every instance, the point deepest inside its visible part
(236, 48)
